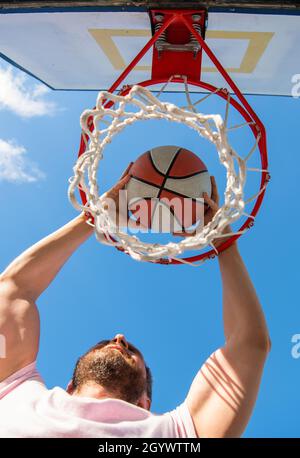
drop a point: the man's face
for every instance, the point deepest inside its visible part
(118, 367)
(128, 351)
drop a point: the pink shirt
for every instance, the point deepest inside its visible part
(29, 409)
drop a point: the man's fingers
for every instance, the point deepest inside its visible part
(113, 192)
(123, 181)
(214, 187)
(120, 185)
(126, 171)
(214, 190)
(210, 202)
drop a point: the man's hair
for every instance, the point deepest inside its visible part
(80, 377)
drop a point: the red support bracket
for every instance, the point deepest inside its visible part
(177, 51)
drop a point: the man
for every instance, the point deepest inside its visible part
(110, 393)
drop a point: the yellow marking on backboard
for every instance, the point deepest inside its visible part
(257, 44)
(104, 38)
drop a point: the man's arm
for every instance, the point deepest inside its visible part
(223, 393)
(27, 277)
(22, 283)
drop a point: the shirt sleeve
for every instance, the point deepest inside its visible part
(13, 381)
(183, 421)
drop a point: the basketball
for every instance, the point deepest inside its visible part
(175, 178)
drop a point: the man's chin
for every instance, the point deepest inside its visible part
(117, 351)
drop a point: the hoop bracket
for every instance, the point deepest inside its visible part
(177, 50)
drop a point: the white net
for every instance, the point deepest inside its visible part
(112, 114)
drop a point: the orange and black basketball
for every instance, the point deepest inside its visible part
(168, 175)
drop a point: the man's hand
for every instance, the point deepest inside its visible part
(113, 193)
(118, 215)
(211, 206)
(212, 203)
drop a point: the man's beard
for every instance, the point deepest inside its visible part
(117, 375)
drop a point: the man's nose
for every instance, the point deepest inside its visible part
(120, 340)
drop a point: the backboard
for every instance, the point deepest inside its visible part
(71, 45)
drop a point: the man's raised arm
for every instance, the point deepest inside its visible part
(27, 277)
(223, 393)
(22, 283)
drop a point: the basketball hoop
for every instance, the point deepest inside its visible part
(109, 117)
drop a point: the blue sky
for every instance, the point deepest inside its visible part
(172, 313)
